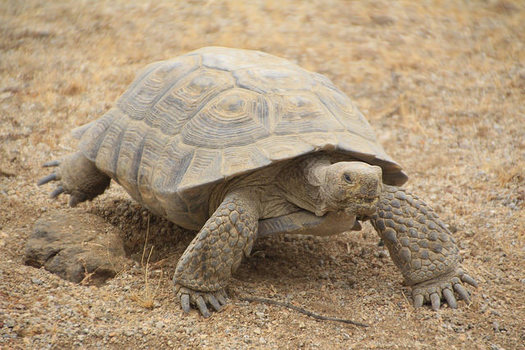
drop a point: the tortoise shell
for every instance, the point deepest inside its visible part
(191, 122)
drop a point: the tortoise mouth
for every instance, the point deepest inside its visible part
(363, 207)
(370, 200)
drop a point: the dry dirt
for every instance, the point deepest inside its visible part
(442, 83)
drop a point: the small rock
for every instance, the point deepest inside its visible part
(5, 95)
(382, 20)
(9, 323)
(77, 246)
(37, 281)
(383, 254)
(325, 275)
(495, 313)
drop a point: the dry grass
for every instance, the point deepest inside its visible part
(146, 297)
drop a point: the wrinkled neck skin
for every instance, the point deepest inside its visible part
(302, 184)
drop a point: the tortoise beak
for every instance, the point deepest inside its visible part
(366, 206)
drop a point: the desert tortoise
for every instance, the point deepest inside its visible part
(239, 143)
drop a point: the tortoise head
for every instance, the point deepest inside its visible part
(353, 187)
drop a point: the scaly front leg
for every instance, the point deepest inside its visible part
(422, 248)
(216, 252)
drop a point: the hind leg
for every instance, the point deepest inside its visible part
(78, 177)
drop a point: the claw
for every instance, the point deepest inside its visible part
(449, 297)
(204, 301)
(467, 279)
(57, 191)
(418, 301)
(202, 307)
(434, 299)
(214, 303)
(48, 178)
(185, 302)
(221, 298)
(462, 292)
(51, 163)
(75, 199)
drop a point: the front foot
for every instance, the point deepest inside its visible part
(442, 288)
(216, 251)
(422, 247)
(189, 297)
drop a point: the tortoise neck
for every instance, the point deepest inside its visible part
(301, 182)
(314, 170)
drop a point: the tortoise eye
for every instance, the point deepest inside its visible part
(347, 178)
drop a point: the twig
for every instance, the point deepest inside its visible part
(301, 310)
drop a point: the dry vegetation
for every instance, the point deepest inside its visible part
(442, 83)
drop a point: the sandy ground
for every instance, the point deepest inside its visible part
(442, 83)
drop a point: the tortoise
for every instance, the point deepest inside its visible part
(239, 144)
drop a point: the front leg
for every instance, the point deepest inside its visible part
(422, 248)
(216, 252)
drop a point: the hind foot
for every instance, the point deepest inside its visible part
(77, 176)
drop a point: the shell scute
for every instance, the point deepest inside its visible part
(231, 119)
(153, 83)
(185, 98)
(273, 79)
(302, 112)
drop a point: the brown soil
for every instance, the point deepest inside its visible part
(442, 83)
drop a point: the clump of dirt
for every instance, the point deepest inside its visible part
(443, 85)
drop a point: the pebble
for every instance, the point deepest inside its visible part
(36, 281)
(9, 323)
